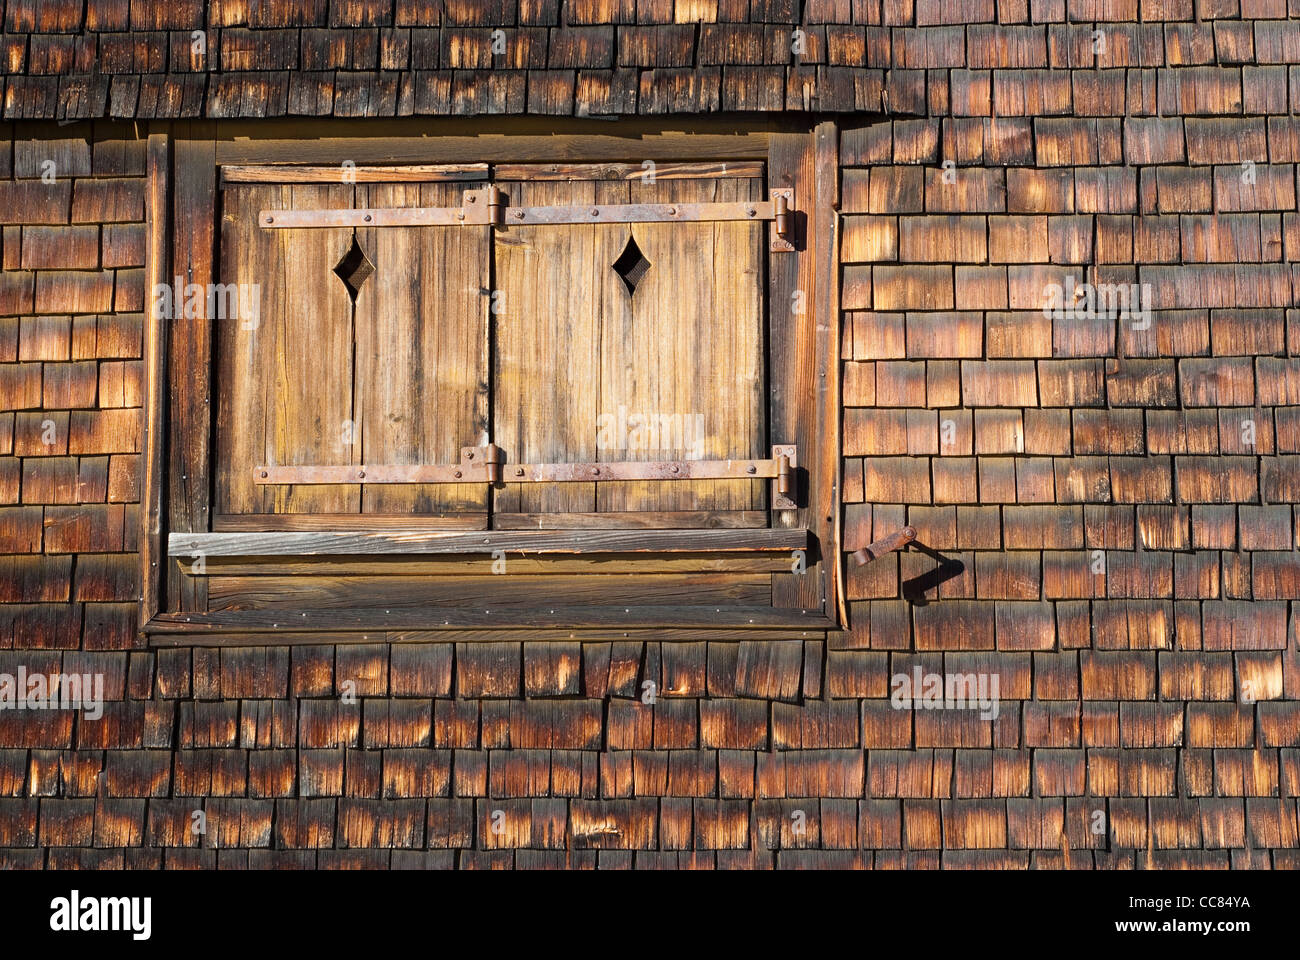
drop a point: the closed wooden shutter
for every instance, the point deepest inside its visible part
(672, 368)
(560, 343)
(285, 374)
(398, 377)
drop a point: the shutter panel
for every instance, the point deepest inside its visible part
(285, 382)
(398, 377)
(581, 362)
(556, 286)
(421, 372)
(690, 349)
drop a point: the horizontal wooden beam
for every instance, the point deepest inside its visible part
(351, 173)
(349, 543)
(629, 519)
(504, 139)
(204, 634)
(262, 522)
(548, 565)
(434, 619)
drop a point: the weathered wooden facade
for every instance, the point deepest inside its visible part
(326, 326)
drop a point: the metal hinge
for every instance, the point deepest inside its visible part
(491, 206)
(487, 464)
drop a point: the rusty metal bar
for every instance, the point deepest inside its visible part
(640, 470)
(491, 206)
(640, 213)
(372, 473)
(393, 217)
(895, 541)
(784, 496)
(487, 465)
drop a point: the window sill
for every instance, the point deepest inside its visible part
(598, 621)
(344, 543)
(441, 587)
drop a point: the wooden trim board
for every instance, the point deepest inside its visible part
(351, 543)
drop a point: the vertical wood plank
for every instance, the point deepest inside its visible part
(792, 317)
(190, 346)
(242, 357)
(286, 376)
(826, 466)
(157, 269)
(313, 359)
(554, 283)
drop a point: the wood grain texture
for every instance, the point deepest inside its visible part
(530, 140)
(172, 632)
(687, 348)
(649, 520)
(518, 564)
(407, 173)
(157, 270)
(825, 464)
(433, 618)
(556, 289)
(680, 353)
(434, 541)
(287, 379)
(252, 522)
(792, 317)
(190, 344)
(317, 592)
(421, 365)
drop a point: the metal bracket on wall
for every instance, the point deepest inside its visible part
(487, 464)
(491, 206)
(895, 541)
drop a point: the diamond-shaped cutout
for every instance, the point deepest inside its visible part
(631, 265)
(354, 268)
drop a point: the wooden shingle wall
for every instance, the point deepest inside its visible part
(1115, 504)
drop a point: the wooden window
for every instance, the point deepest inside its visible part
(393, 353)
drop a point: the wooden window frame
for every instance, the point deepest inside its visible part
(184, 179)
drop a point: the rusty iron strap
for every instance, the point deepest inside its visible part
(491, 206)
(486, 465)
(523, 472)
(394, 217)
(518, 216)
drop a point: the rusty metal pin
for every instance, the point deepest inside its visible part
(782, 207)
